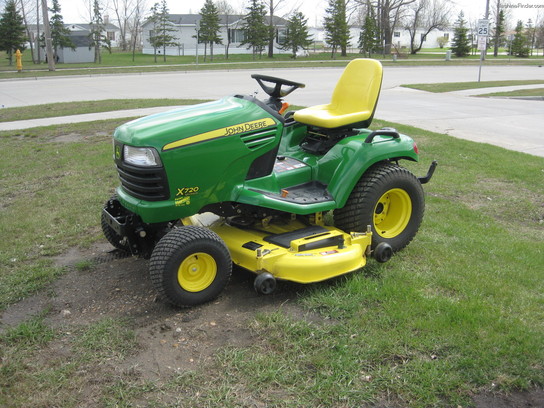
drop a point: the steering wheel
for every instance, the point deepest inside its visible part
(276, 91)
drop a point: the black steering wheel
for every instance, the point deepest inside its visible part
(276, 91)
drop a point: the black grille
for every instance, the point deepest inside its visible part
(148, 184)
(256, 140)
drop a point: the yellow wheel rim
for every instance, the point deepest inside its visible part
(197, 272)
(392, 213)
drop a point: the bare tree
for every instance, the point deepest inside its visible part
(26, 18)
(135, 24)
(124, 10)
(48, 39)
(225, 9)
(426, 16)
(273, 6)
(389, 14)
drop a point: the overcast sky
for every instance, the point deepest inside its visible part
(73, 11)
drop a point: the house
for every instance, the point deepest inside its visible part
(185, 26)
(80, 36)
(401, 38)
(111, 31)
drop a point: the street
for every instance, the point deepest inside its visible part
(510, 123)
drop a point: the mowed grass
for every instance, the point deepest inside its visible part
(536, 92)
(123, 62)
(458, 312)
(460, 86)
(52, 110)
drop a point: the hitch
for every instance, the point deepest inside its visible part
(140, 237)
(427, 178)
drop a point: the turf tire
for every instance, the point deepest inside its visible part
(181, 252)
(362, 206)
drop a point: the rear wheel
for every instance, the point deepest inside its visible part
(388, 198)
(190, 266)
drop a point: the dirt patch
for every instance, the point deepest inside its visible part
(527, 399)
(170, 341)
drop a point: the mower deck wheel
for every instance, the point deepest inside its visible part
(265, 283)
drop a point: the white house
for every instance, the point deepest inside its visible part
(80, 36)
(401, 38)
(185, 26)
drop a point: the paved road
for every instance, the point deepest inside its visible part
(513, 124)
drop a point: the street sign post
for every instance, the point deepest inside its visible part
(483, 27)
(483, 32)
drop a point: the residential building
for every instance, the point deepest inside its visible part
(80, 36)
(231, 32)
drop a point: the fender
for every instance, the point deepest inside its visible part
(342, 167)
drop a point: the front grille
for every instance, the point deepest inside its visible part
(146, 183)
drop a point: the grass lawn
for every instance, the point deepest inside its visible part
(52, 110)
(460, 311)
(460, 86)
(519, 92)
(122, 62)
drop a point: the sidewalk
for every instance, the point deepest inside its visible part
(88, 117)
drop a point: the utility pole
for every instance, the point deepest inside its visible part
(48, 40)
(38, 31)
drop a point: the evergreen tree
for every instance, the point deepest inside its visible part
(97, 28)
(336, 27)
(60, 35)
(531, 35)
(369, 38)
(498, 35)
(209, 27)
(12, 30)
(255, 28)
(162, 29)
(520, 46)
(460, 44)
(297, 36)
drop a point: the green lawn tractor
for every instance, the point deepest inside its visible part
(270, 180)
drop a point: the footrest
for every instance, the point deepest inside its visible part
(284, 239)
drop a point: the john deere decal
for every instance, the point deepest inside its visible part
(226, 131)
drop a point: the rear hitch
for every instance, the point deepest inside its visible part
(427, 178)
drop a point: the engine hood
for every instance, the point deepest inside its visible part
(194, 124)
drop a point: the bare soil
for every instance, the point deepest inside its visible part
(170, 340)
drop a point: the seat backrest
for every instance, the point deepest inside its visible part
(358, 88)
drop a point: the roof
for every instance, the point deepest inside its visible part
(191, 19)
(88, 27)
(76, 27)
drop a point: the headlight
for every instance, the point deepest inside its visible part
(141, 156)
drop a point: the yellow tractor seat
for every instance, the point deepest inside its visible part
(353, 101)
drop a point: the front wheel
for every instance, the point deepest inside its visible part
(388, 198)
(190, 266)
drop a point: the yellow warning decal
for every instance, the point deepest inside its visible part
(226, 131)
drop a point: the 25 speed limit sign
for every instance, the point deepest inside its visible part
(483, 28)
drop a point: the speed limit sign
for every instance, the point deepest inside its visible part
(483, 27)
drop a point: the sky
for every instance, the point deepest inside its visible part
(73, 11)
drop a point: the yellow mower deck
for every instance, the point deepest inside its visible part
(294, 251)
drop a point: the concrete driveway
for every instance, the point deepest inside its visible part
(513, 124)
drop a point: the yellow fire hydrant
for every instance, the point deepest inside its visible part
(19, 60)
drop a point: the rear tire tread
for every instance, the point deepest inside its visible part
(370, 186)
